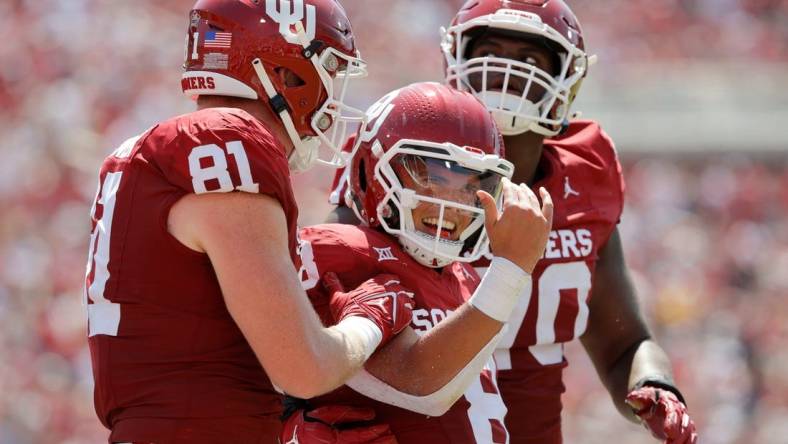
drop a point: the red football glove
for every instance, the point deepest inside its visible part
(663, 415)
(382, 300)
(324, 425)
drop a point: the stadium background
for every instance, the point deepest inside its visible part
(692, 91)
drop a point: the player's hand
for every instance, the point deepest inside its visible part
(519, 232)
(663, 415)
(382, 300)
(334, 425)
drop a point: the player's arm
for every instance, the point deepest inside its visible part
(633, 367)
(245, 237)
(429, 373)
(617, 339)
(422, 365)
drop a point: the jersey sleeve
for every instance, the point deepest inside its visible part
(601, 169)
(604, 145)
(341, 182)
(215, 150)
(218, 151)
(335, 248)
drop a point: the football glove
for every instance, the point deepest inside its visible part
(334, 424)
(382, 300)
(663, 415)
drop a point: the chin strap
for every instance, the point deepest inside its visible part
(302, 156)
(305, 150)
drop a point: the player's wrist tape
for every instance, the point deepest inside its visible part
(660, 382)
(368, 334)
(500, 289)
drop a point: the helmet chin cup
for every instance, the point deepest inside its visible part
(512, 115)
(426, 257)
(304, 154)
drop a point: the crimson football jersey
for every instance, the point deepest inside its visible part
(580, 169)
(356, 254)
(169, 363)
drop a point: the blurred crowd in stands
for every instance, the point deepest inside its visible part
(707, 242)
(675, 30)
(705, 236)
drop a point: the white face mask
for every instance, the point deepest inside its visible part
(432, 188)
(510, 105)
(335, 120)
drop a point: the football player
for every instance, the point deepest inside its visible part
(427, 165)
(187, 336)
(526, 60)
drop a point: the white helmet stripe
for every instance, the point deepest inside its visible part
(195, 83)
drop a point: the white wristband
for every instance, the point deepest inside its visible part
(500, 289)
(365, 332)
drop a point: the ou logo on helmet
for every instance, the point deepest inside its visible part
(287, 13)
(377, 114)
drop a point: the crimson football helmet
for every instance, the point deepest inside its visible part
(548, 22)
(297, 56)
(424, 154)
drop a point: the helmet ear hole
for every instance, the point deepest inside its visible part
(392, 216)
(289, 78)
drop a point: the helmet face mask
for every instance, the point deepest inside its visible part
(430, 200)
(507, 86)
(238, 49)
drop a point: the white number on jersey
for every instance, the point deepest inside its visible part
(103, 315)
(487, 409)
(218, 169)
(308, 271)
(554, 278)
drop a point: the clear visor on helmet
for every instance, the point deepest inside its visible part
(434, 196)
(443, 180)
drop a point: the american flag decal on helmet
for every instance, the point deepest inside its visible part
(216, 39)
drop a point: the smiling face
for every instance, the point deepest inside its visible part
(509, 47)
(444, 180)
